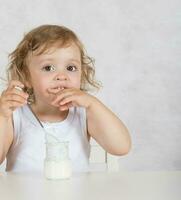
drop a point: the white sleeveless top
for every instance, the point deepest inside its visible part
(27, 152)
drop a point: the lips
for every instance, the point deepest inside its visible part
(55, 90)
(58, 88)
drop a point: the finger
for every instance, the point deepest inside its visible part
(15, 91)
(67, 100)
(61, 95)
(15, 97)
(19, 92)
(66, 107)
(14, 83)
(14, 104)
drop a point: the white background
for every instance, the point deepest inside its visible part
(136, 46)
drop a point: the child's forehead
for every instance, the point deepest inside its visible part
(70, 51)
(51, 48)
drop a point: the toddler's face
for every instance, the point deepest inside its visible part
(56, 69)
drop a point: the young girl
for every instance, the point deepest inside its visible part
(52, 69)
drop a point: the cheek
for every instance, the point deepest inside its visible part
(40, 90)
(39, 85)
(76, 82)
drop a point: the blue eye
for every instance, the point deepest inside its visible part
(49, 68)
(71, 68)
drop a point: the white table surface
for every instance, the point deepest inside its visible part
(93, 186)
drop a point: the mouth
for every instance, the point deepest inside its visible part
(55, 90)
(58, 88)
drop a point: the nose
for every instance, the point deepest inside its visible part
(61, 77)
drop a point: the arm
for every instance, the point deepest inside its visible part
(10, 99)
(6, 136)
(103, 125)
(107, 129)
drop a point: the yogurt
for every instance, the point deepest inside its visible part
(57, 169)
(57, 164)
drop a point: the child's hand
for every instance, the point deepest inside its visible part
(12, 98)
(72, 97)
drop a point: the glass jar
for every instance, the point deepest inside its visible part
(57, 164)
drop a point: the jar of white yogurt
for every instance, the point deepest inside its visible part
(57, 164)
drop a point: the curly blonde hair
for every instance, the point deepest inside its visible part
(41, 39)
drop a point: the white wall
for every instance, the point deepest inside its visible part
(136, 45)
